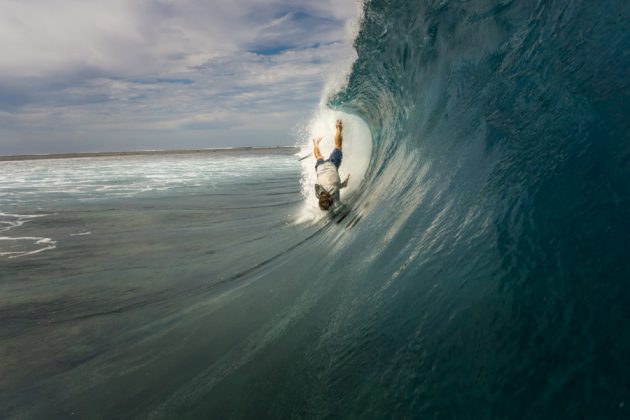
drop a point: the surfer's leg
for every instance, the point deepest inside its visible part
(335, 157)
(338, 135)
(316, 152)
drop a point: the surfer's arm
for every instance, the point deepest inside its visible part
(316, 152)
(344, 184)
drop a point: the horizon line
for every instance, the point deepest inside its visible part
(76, 155)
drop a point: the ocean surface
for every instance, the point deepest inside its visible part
(478, 268)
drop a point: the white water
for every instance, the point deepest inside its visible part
(93, 178)
(38, 188)
(357, 140)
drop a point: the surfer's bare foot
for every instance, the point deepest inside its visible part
(339, 125)
(316, 141)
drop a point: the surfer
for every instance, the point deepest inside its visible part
(328, 181)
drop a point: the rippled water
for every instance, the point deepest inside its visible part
(102, 258)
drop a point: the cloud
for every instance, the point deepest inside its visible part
(202, 71)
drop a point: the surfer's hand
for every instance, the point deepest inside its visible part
(345, 183)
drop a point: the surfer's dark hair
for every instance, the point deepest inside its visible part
(325, 200)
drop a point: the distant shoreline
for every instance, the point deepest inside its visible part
(285, 149)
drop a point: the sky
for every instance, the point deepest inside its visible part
(87, 75)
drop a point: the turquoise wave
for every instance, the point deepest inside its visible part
(498, 209)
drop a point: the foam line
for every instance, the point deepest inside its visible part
(50, 244)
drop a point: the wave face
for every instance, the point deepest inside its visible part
(493, 279)
(481, 269)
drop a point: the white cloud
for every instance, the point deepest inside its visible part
(154, 69)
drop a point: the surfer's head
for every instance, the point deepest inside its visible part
(325, 200)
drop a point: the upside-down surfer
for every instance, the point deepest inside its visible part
(328, 181)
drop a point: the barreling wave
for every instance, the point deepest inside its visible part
(486, 273)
